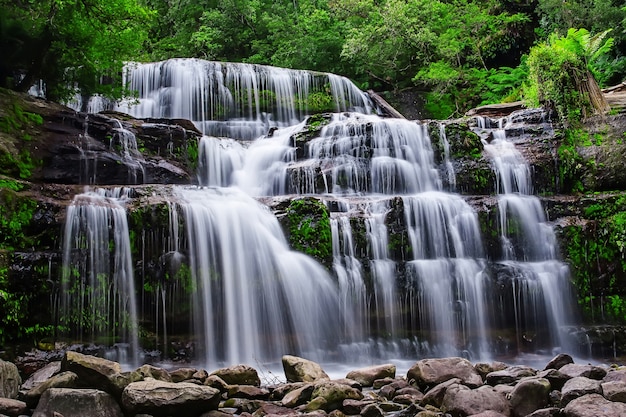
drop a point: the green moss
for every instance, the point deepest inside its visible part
(320, 101)
(16, 214)
(309, 228)
(597, 258)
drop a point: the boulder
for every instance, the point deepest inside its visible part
(589, 371)
(546, 412)
(594, 405)
(484, 368)
(529, 395)
(248, 391)
(367, 376)
(352, 407)
(330, 395)
(577, 387)
(92, 372)
(615, 375)
(509, 375)
(430, 372)
(435, 395)
(273, 410)
(149, 371)
(302, 370)
(239, 375)
(12, 408)
(10, 380)
(372, 410)
(63, 380)
(185, 374)
(462, 401)
(614, 391)
(488, 413)
(216, 382)
(160, 398)
(559, 361)
(556, 378)
(298, 396)
(41, 375)
(70, 402)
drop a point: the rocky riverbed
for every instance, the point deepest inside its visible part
(83, 385)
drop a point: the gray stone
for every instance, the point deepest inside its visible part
(367, 376)
(529, 395)
(577, 387)
(70, 402)
(330, 395)
(92, 372)
(10, 380)
(372, 410)
(614, 391)
(149, 371)
(161, 398)
(12, 408)
(248, 391)
(298, 396)
(589, 371)
(435, 395)
(302, 370)
(41, 375)
(239, 375)
(594, 405)
(615, 375)
(216, 382)
(430, 372)
(63, 380)
(557, 378)
(509, 375)
(352, 407)
(559, 361)
(488, 413)
(485, 368)
(268, 409)
(546, 412)
(462, 401)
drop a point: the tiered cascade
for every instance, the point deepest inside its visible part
(539, 280)
(407, 275)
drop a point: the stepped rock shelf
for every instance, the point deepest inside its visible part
(334, 234)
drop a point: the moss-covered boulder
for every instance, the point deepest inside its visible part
(308, 228)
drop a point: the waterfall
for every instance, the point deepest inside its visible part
(409, 276)
(539, 281)
(239, 101)
(249, 290)
(97, 275)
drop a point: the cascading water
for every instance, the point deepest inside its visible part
(239, 101)
(529, 250)
(97, 274)
(410, 274)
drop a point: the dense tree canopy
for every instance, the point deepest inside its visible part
(464, 52)
(69, 42)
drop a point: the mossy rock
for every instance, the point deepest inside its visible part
(309, 229)
(311, 130)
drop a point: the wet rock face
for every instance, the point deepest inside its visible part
(100, 149)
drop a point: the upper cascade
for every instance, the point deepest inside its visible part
(236, 100)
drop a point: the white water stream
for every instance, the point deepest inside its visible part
(251, 299)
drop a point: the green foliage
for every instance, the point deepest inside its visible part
(556, 16)
(71, 43)
(309, 228)
(16, 213)
(559, 71)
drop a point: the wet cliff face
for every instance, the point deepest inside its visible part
(49, 153)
